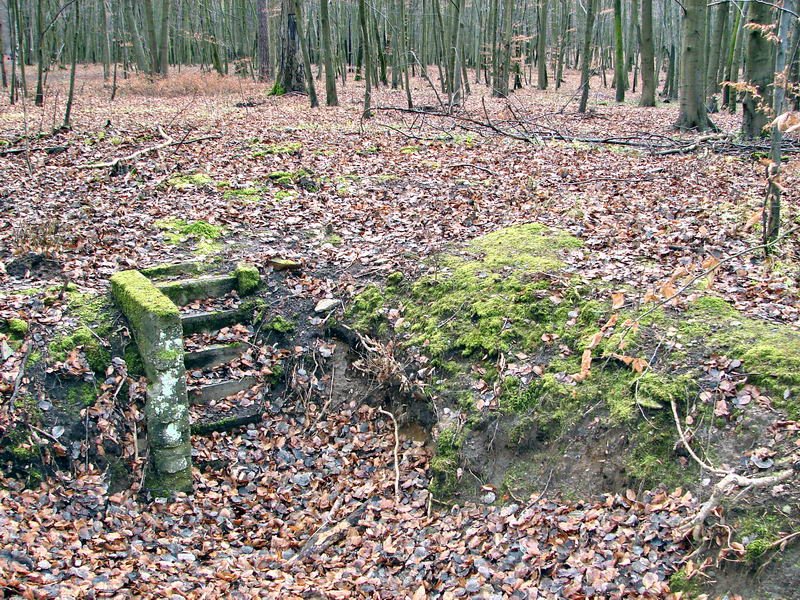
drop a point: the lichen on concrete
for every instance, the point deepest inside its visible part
(156, 324)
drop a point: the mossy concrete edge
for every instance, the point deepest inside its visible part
(156, 325)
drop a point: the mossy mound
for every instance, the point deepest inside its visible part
(542, 372)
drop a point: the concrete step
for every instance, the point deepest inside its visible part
(213, 356)
(252, 414)
(212, 321)
(211, 392)
(184, 291)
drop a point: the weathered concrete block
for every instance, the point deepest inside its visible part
(157, 329)
(184, 291)
(247, 279)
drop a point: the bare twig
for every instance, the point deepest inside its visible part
(396, 453)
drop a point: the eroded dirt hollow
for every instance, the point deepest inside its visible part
(474, 272)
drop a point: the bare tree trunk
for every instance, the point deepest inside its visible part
(772, 210)
(71, 94)
(163, 53)
(40, 53)
(312, 91)
(758, 72)
(586, 58)
(620, 72)
(152, 41)
(136, 40)
(106, 15)
(649, 82)
(264, 63)
(541, 47)
(290, 72)
(362, 19)
(331, 99)
(691, 91)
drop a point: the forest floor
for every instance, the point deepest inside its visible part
(359, 200)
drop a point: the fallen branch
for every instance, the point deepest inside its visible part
(328, 536)
(113, 164)
(396, 454)
(695, 524)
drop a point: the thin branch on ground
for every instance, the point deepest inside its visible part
(396, 453)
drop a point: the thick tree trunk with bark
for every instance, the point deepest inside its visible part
(691, 93)
(620, 72)
(290, 73)
(649, 82)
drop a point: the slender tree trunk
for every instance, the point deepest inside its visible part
(331, 99)
(362, 19)
(732, 62)
(163, 52)
(106, 16)
(264, 62)
(40, 53)
(3, 58)
(136, 40)
(620, 72)
(649, 82)
(691, 91)
(504, 61)
(586, 58)
(73, 67)
(772, 210)
(312, 91)
(152, 40)
(541, 47)
(715, 47)
(758, 72)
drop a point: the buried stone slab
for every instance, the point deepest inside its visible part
(156, 325)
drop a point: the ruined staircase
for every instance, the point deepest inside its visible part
(213, 358)
(163, 315)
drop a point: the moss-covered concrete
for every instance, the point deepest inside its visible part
(157, 329)
(247, 278)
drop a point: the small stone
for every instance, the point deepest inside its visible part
(301, 479)
(5, 351)
(186, 556)
(326, 305)
(488, 497)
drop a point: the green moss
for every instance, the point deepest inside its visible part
(133, 361)
(444, 465)
(409, 149)
(333, 239)
(97, 356)
(770, 353)
(178, 231)
(366, 310)
(395, 278)
(94, 310)
(137, 294)
(18, 328)
(247, 278)
(276, 90)
(81, 396)
(680, 582)
(34, 358)
(283, 195)
(758, 531)
(491, 300)
(277, 149)
(651, 460)
(279, 324)
(190, 181)
(247, 194)
(166, 485)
